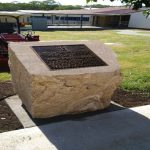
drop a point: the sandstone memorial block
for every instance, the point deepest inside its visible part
(63, 77)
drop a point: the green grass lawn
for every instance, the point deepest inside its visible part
(133, 54)
(5, 76)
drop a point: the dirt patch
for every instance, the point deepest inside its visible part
(8, 121)
(131, 99)
(6, 90)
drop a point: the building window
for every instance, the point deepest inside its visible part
(85, 18)
(48, 17)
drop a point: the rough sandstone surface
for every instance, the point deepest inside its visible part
(47, 93)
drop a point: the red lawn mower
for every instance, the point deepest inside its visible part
(7, 35)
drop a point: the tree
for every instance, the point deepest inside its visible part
(135, 4)
(97, 6)
(91, 1)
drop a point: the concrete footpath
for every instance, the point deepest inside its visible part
(127, 129)
(133, 32)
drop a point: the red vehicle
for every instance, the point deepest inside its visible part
(5, 38)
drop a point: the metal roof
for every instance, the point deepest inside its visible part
(99, 11)
(73, 12)
(114, 11)
(14, 13)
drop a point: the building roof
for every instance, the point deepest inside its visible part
(114, 11)
(99, 11)
(13, 13)
(72, 12)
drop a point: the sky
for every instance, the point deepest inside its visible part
(75, 2)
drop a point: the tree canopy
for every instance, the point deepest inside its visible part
(52, 4)
(97, 6)
(35, 5)
(135, 4)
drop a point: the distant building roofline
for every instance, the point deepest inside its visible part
(14, 13)
(99, 11)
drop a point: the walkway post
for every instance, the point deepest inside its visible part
(81, 19)
(67, 19)
(52, 19)
(119, 20)
(18, 25)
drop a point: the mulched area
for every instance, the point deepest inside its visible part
(131, 99)
(8, 121)
(6, 89)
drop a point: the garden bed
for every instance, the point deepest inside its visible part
(8, 121)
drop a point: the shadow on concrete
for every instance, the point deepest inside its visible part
(74, 117)
(114, 128)
(119, 130)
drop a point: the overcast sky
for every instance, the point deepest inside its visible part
(74, 2)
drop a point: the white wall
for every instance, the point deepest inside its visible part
(139, 20)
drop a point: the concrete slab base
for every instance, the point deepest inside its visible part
(127, 129)
(27, 121)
